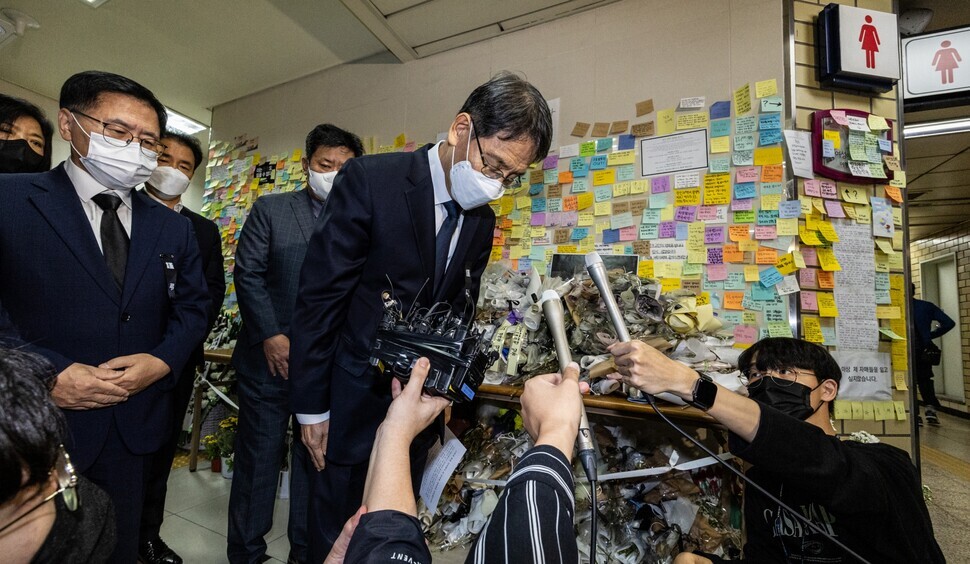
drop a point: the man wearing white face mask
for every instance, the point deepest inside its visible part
(271, 248)
(181, 155)
(106, 284)
(416, 224)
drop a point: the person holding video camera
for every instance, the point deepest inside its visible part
(415, 225)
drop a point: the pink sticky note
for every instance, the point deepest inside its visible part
(714, 234)
(810, 256)
(809, 300)
(707, 213)
(716, 272)
(539, 219)
(834, 208)
(745, 334)
(764, 232)
(497, 232)
(806, 276)
(569, 219)
(838, 116)
(629, 233)
(747, 174)
(812, 188)
(742, 205)
(552, 218)
(829, 190)
(660, 184)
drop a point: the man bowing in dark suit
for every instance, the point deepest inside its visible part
(180, 157)
(271, 249)
(415, 224)
(106, 284)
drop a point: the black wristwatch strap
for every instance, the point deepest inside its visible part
(705, 392)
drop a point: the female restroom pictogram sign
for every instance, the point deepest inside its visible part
(869, 37)
(945, 60)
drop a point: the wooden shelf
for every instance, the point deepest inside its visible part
(605, 405)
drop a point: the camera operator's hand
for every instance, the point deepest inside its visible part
(551, 405)
(649, 370)
(412, 410)
(339, 550)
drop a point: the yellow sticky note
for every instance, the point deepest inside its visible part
(854, 194)
(768, 156)
(887, 312)
(787, 227)
(764, 88)
(586, 219)
(885, 246)
(857, 413)
(900, 409)
(769, 202)
(752, 273)
(621, 189)
(669, 284)
(645, 269)
(899, 179)
(584, 200)
(884, 410)
(523, 202)
(834, 137)
(786, 264)
(742, 100)
(827, 231)
(603, 208)
(899, 381)
(747, 245)
(799, 259)
(400, 141)
(687, 197)
(639, 186)
(297, 155)
(877, 123)
(692, 120)
(604, 177)
(827, 260)
(621, 157)
(720, 144)
(868, 411)
(495, 254)
(842, 409)
(666, 123)
(812, 329)
(826, 305)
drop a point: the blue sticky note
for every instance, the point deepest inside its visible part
(651, 216)
(682, 231)
(767, 217)
(743, 158)
(603, 193)
(580, 185)
(769, 121)
(789, 209)
(580, 233)
(624, 173)
(769, 277)
(577, 164)
(744, 191)
(744, 142)
(536, 189)
(720, 128)
(611, 236)
(769, 137)
(771, 104)
(719, 164)
(550, 176)
(626, 142)
(538, 205)
(720, 109)
(651, 231)
(771, 188)
(828, 149)
(604, 144)
(885, 145)
(762, 293)
(537, 253)
(598, 162)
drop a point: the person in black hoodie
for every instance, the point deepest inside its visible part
(867, 496)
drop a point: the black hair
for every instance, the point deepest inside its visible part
(508, 107)
(12, 109)
(329, 135)
(189, 141)
(779, 353)
(82, 91)
(31, 426)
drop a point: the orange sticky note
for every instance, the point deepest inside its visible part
(732, 300)
(825, 279)
(731, 253)
(894, 194)
(771, 173)
(570, 203)
(566, 177)
(739, 232)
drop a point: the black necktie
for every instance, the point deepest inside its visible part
(443, 240)
(114, 239)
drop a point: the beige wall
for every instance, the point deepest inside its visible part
(61, 149)
(599, 63)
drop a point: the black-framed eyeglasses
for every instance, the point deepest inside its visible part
(783, 377)
(508, 180)
(119, 136)
(67, 488)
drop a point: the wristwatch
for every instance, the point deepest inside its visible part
(704, 394)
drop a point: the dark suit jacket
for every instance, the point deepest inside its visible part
(63, 301)
(377, 233)
(210, 249)
(270, 253)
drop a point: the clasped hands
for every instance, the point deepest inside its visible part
(82, 386)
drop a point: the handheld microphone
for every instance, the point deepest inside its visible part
(552, 310)
(594, 265)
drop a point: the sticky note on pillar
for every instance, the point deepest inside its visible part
(826, 305)
(768, 156)
(812, 330)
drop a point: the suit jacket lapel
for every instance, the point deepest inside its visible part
(61, 207)
(304, 213)
(145, 227)
(420, 200)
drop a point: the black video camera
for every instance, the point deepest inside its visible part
(459, 354)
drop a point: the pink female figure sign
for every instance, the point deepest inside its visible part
(945, 60)
(870, 42)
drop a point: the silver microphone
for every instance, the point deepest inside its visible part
(552, 310)
(594, 265)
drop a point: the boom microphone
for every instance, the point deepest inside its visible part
(594, 265)
(552, 310)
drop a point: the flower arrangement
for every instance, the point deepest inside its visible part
(220, 443)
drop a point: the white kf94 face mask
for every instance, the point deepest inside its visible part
(169, 183)
(321, 182)
(469, 187)
(116, 168)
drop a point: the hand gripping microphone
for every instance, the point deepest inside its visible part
(552, 310)
(594, 265)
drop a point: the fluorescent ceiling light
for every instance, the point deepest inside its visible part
(182, 123)
(932, 128)
(93, 3)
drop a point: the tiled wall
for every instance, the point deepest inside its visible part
(810, 97)
(957, 242)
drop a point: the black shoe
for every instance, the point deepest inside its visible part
(919, 421)
(932, 419)
(156, 551)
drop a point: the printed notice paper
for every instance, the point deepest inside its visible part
(442, 462)
(800, 152)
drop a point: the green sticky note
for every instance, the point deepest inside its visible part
(587, 149)
(842, 410)
(885, 410)
(602, 145)
(857, 413)
(869, 411)
(746, 216)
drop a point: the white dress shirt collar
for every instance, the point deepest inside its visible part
(87, 187)
(441, 194)
(178, 206)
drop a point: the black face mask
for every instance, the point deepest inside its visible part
(794, 399)
(16, 156)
